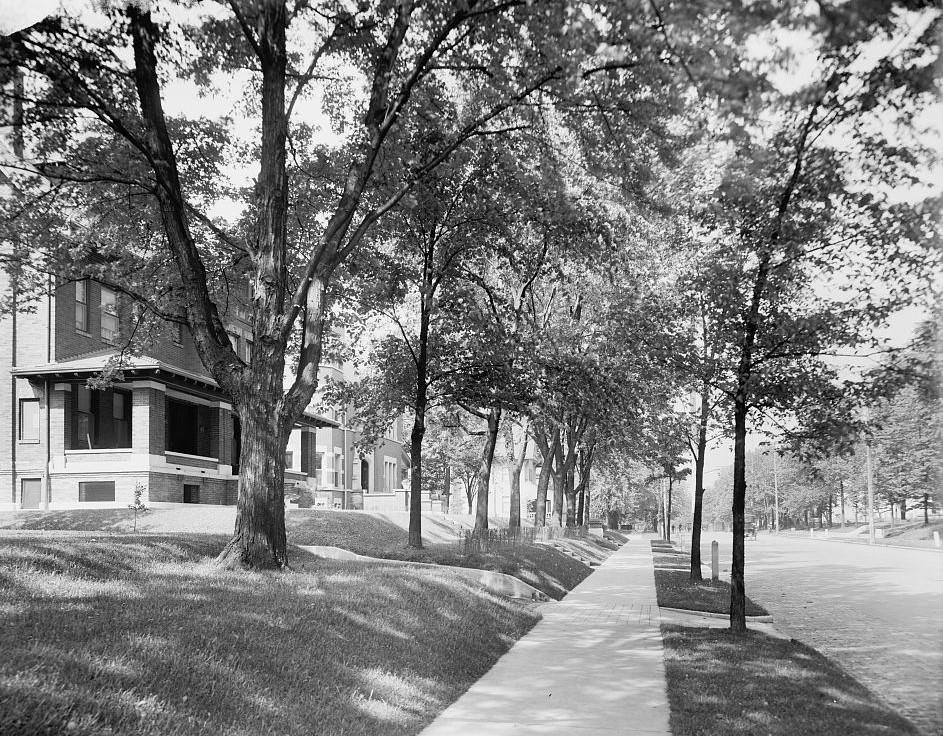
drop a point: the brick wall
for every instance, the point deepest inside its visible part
(169, 488)
(65, 489)
(71, 343)
(31, 349)
(156, 428)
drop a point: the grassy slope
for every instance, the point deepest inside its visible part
(142, 635)
(757, 684)
(374, 535)
(676, 590)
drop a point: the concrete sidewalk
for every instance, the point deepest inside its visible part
(593, 665)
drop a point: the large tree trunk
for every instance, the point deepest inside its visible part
(259, 539)
(484, 472)
(581, 504)
(514, 519)
(903, 509)
(548, 453)
(570, 489)
(559, 483)
(926, 509)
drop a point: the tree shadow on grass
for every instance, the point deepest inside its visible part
(176, 646)
(719, 683)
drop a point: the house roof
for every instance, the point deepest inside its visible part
(140, 366)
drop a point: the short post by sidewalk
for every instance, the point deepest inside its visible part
(936, 539)
(715, 560)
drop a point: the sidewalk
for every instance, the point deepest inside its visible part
(593, 665)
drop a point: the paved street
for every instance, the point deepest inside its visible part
(876, 611)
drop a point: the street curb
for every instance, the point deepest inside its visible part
(765, 619)
(935, 550)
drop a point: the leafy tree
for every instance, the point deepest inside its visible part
(909, 425)
(98, 129)
(791, 203)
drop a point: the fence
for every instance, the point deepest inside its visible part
(485, 540)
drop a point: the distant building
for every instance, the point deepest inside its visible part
(346, 476)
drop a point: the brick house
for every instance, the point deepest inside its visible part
(165, 424)
(346, 475)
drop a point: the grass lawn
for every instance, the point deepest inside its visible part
(143, 635)
(550, 571)
(374, 535)
(757, 684)
(913, 533)
(675, 589)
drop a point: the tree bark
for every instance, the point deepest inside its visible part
(420, 403)
(570, 490)
(581, 504)
(738, 621)
(447, 489)
(484, 472)
(668, 521)
(559, 482)
(699, 457)
(514, 519)
(548, 453)
(259, 539)
(415, 479)
(841, 500)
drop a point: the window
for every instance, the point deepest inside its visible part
(364, 475)
(289, 458)
(84, 419)
(81, 305)
(389, 475)
(121, 418)
(306, 452)
(248, 351)
(187, 428)
(97, 491)
(236, 443)
(29, 420)
(100, 419)
(109, 311)
(31, 493)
